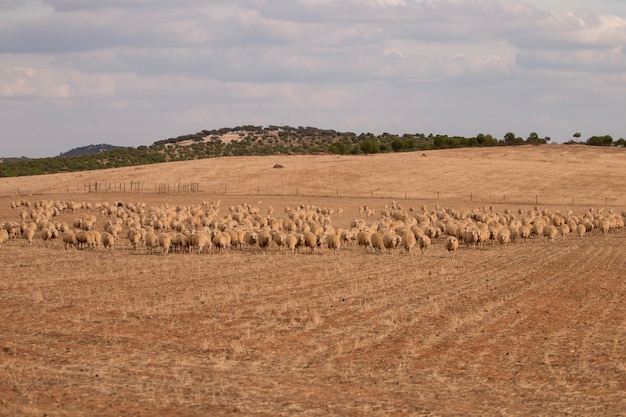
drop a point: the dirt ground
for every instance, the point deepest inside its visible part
(532, 329)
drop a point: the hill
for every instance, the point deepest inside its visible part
(258, 141)
(90, 150)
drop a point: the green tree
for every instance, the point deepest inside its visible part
(369, 146)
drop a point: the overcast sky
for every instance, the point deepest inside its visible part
(131, 72)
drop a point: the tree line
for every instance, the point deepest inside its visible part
(272, 140)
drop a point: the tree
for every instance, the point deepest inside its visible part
(369, 146)
(605, 140)
(533, 139)
(577, 135)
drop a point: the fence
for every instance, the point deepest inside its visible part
(247, 188)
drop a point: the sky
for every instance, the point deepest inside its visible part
(132, 72)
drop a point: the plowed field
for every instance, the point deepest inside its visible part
(529, 329)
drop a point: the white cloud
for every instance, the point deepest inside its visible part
(377, 65)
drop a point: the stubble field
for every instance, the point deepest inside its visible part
(536, 328)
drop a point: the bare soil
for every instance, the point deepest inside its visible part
(536, 328)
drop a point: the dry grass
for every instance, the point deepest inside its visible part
(534, 329)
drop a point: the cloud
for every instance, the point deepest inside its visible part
(338, 64)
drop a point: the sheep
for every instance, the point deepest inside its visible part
(347, 237)
(47, 235)
(333, 242)
(471, 237)
(85, 239)
(108, 240)
(451, 244)
(199, 241)
(265, 241)
(180, 242)
(251, 239)
(165, 242)
(291, 242)
(581, 230)
(310, 241)
(503, 236)
(278, 238)
(364, 238)
(29, 234)
(152, 241)
(423, 242)
(390, 241)
(550, 232)
(409, 241)
(135, 238)
(524, 233)
(236, 237)
(69, 239)
(220, 241)
(4, 237)
(377, 242)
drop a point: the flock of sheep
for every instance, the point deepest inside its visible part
(207, 227)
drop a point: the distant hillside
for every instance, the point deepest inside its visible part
(258, 140)
(90, 150)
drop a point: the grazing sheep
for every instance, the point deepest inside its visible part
(291, 242)
(377, 242)
(4, 237)
(390, 241)
(333, 242)
(47, 235)
(200, 240)
(451, 244)
(152, 241)
(581, 230)
(265, 241)
(524, 233)
(165, 242)
(29, 233)
(85, 240)
(347, 237)
(550, 232)
(220, 241)
(108, 240)
(310, 240)
(135, 238)
(69, 239)
(423, 242)
(279, 239)
(364, 238)
(180, 242)
(251, 239)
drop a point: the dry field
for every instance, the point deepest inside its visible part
(534, 329)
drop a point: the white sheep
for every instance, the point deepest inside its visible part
(390, 241)
(4, 237)
(291, 242)
(165, 242)
(333, 242)
(409, 241)
(423, 242)
(503, 236)
(377, 242)
(108, 240)
(451, 244)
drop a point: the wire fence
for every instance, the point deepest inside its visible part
(250, 189)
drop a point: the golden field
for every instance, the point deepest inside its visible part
(535, 328)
